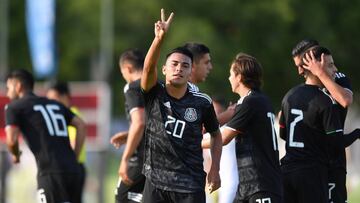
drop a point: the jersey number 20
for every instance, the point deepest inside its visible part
(52, 119)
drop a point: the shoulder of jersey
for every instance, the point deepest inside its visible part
(340, 75)
(193, 87)
(328, 95)
(201, 95)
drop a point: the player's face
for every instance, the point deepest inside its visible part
(177, 69)
(12, 86)
(330, 65)
(234, 81)
(201, 69)
(297, 61)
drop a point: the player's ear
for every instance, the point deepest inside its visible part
(163, 69)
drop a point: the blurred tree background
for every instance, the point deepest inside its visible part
(265, 29)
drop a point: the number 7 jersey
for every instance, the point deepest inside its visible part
(173, 134)
(43, 124)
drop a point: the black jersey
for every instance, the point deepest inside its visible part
(256, 146)
(308, 116)
(343, 81)
(134, 100)
(173, 153)
(43, 123)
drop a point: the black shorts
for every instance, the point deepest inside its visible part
(261, 197)
(309, 185)
(154, 195)
(59, 187)
(131, 193)
(337, 185)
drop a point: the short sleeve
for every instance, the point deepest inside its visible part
(134, 98)
(342, 80)
(211, 123)
(243, 114)
(11, 117)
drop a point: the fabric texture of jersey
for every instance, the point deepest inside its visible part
(256, 146)
(173, 153)
(43, 123)
(309, 116)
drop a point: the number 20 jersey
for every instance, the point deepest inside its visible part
(173, 134)
(43, 123)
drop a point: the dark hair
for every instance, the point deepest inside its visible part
(197, 49)
(181, 50)
(250, 70)
(133, 56)
(60, 87)
(24, 76)
(317, 51)
(303, 46)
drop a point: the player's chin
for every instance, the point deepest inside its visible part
(179, 82)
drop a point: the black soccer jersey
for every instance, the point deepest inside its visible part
(344, 82)
(43, 123)
(256, 146)
(133, 100)
(308, 116)
(173, 153)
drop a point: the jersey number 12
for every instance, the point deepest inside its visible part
(53, 119)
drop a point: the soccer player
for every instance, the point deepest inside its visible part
(340, 89)
(312, 125)
(60, 92)
(43, 124)
(131, 180)
(175, 116)
(253, 128)
(201, 67)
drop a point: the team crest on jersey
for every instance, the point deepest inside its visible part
(190, 115)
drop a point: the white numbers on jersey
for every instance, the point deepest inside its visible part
(297, 119)
(53, 119)
(271, 116)
(331, 187)
(178, 128)
(263, 200)
(41, 196)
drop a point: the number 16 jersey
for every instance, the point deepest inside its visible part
(43, 123)
(173, 134)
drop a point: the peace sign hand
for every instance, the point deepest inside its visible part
(161, 27)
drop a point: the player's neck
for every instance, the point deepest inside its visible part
(243, 90)
(313, 80)
(176, 92)
(135, 76)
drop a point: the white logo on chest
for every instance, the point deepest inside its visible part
(190, 115)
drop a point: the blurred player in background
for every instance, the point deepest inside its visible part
(60, 92)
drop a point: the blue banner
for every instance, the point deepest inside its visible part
(40, 21)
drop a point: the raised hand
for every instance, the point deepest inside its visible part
(314, 66)
(163, 25)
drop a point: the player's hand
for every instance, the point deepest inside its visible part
(16, 158)
(314, 66)
(213, 180)
(123, 173)
(119, 139)
(162, 26)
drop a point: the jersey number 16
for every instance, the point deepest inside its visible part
(53, 119)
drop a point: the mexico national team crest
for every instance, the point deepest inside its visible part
(190, 115)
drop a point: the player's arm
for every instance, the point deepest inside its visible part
(12, 141)
(149, 74)
(135, 135)
(214, 181)
(79, 124)
(225, 116)
(343, 96)
(119, 139)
